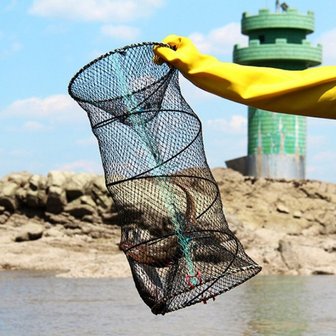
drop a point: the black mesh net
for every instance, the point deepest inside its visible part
(173, 230)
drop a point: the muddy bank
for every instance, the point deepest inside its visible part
(66, 223)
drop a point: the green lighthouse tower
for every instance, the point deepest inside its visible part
(276, 141)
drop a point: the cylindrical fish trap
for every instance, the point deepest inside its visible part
(173, 230)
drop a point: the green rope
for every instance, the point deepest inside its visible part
(155, 160)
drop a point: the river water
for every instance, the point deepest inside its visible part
(34, 304)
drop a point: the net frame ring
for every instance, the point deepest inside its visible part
(79, 79)
(119, 93)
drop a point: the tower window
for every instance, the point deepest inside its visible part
(261, 38)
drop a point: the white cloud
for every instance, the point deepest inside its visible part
(193, 93)
(328, 41)
(81, 166)
(237, 124)
(220, 40)
(33, 126)
(59, 107)
(87, 141)
(20, 153)
(56, 28)
(11, 4)
(325, 157)
(316, 140)
(9, 44)
(10, 49)
(120, 32)
(322, 166)
(95, 10)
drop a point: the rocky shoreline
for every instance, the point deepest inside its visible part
(66, 223)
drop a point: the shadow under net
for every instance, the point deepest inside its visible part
(173, 230)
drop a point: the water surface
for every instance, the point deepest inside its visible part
(33, 304)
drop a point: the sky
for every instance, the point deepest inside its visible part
(43, 43)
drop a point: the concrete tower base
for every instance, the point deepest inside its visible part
(270, 165)
(277, 166)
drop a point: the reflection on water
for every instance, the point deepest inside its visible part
(33, 304)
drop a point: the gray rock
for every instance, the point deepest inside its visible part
(77, 185)
(309, 216)
(54, 233)
(36, 198)
(32, 198)
(97, 186)
(328, 222)
(79, 210)
(324, 271)
(98, 183)
(307, 256)
(282, 208)
(10, 203)
(100, 194)
(73, 226)
(110, 217)
(34, 182)
(104, 202)
(56, 200)
(57, 178)
(9, 189)
(94, 219)
(288, 255)
(62, 218)
(7, 196)
(297, 214)
(42, 197)
(4, 217)
(329, 245)
(88, 201)
(30, 231)
(19, 179)
(21, 194)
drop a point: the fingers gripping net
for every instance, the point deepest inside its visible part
(173, 230)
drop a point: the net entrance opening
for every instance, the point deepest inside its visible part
(173, 230)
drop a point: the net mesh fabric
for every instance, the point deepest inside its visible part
(173, 230)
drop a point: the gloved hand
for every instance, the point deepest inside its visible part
(182, 55)
(310, 92)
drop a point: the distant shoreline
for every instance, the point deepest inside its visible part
(50, 224)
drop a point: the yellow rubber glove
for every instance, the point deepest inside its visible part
(310, 92)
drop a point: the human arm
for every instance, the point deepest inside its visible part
(310, 92)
